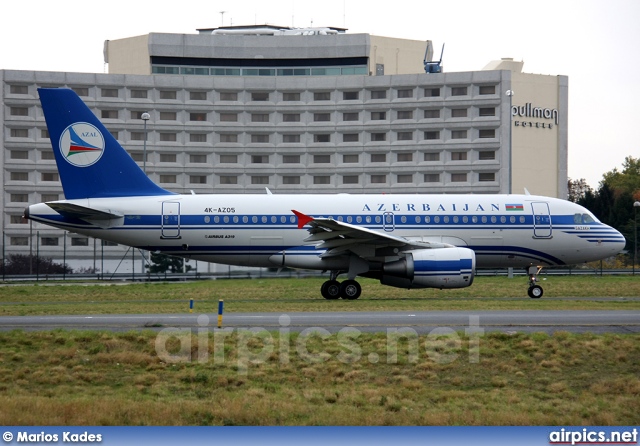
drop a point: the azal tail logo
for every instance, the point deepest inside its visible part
(81, 144)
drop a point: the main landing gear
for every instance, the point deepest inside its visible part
(535, 291)
(348, 289)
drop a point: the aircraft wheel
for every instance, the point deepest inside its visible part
(350, 289)
(535, 292)
(330, 289)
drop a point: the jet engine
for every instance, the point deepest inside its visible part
(431, 268)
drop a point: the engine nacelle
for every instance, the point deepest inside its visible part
(431, 268)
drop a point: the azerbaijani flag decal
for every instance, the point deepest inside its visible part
(514, 207)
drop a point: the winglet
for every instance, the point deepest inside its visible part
(302, 218)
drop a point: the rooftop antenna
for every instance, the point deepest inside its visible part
(222, 18)
(430, 65)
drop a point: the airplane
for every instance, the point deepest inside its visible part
(405, 241)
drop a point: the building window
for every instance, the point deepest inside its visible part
(487, 155)
(378, 157)
(139, 94)
(458, 134)
(259, 159)
(109, 114)
(81, 91)
(229, 117)
(350, 95)
(405, 136)
(458, 91)
(228, 159)
(198, 179)
(136, 136)
(321, 179)
(228, 179)
(290, 159)
(259, 179)
(259, 139)
(19, 176)
(432, 113)
(197, 116)
(379, 94)
(19, 198)
(458, 156)
(198, 95)
(432, 92)
(228, 96)
(109, 92)
(17, 220)
(290, 96)
(168, 179)
(19, 89)
(20, 155)
(486, 176)
(433, 134)
(49, 197)
(259, 117)
(228, 137)
(487, 89)
(322, 96)
(378, 137)
(321, 117)
(168, 94)
(49, 241)
(487, 133)
(197, 158)
(405, 157)
(168, 137)
(378, 116)
(405, 178)
(378, 179)
(44, 133)
(291, 117)
(322, 138)
(49, 176)
(168, 116)
(19, 133)
(290, 138)
(432, 156)
(458, 177)
(431, 177)
(115, 134)
(458, 112)
(291, 179)
(405, 114)
(197, 137)
(405, 93)
(259, 96)
(138, 156)
(351, 158)
(487, 111)
(350, 137)
(321, 159)
(79, 241)
(47, 155)
(351, 116)
(19, 111)
(19, 241)
(135, 114)
(168, 157)
(350, 179)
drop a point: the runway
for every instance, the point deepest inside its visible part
(421, 321)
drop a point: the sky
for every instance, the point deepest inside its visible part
(593, 42)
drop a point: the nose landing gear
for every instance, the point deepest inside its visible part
(535, 291)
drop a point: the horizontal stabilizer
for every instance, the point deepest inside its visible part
(103, 219)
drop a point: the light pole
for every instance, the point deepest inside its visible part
(145, 117)
(636, 205)
(510, 94)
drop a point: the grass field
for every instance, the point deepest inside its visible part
(248, 295)
(64, 377)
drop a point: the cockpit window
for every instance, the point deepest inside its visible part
(582, 219)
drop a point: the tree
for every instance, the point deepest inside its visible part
(578, 189)
(17, 264)
(161, 263)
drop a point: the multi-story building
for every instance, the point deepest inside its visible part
(240, 109)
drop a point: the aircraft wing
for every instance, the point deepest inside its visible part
(100, 218)
(338, 237)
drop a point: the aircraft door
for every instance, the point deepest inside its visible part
(541, 220)
(170, 219)
(388, 221)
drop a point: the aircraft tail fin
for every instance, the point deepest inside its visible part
(91, 162)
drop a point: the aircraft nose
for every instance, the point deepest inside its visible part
(618, 242)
